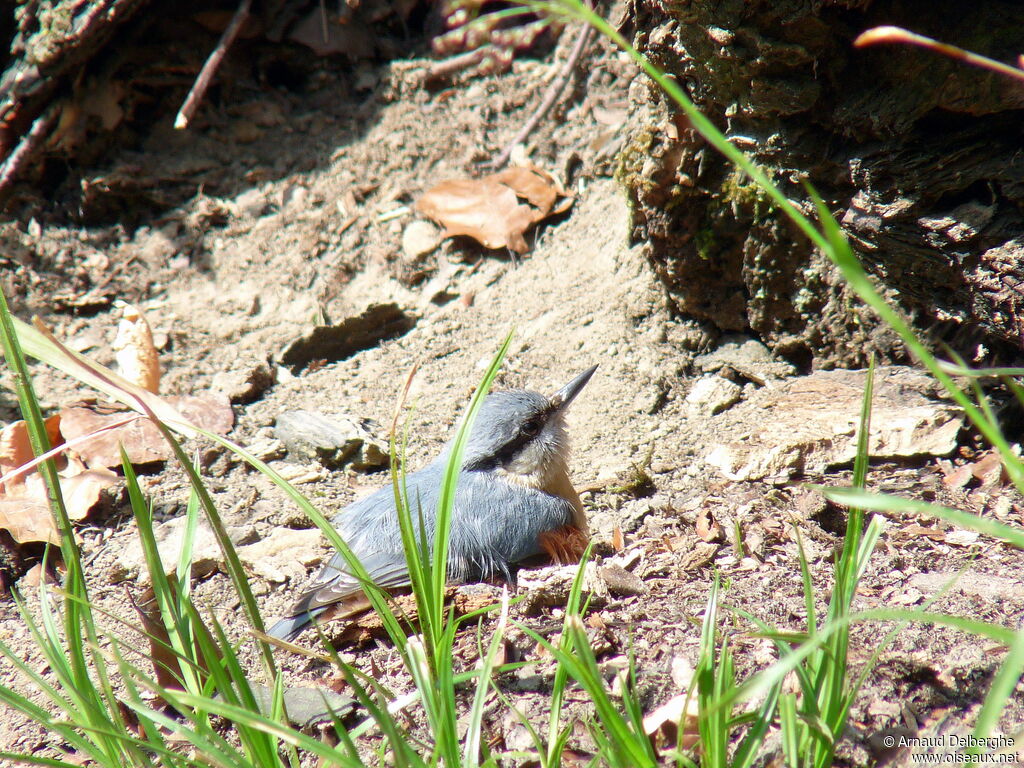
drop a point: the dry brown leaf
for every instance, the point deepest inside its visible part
(134, 349)
(988, 470)
(15, 448)
(28, 519)
(24, 507)
(38, 341)
(81, 486)
(959, 477)
(708, 528)
(919, 530)
(142, 441)
(490, 209)
(618, 540)
(166, 665)
(98, 103)
(663, 723)
(37, 575)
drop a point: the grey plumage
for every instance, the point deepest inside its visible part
(507, 495)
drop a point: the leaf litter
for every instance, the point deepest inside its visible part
(498, 209)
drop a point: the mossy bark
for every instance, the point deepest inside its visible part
(920, 158)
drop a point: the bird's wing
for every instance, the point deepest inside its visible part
(370, 528)
(388, 570)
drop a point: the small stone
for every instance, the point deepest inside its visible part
(306, 706)
(419, 239)
(330, 343)
(700, 555)
(550, 586)
(157, 249)
(267, 450)
(620, 582)
(804, 426)
(245, 383)
(333, 441)
(748, 358)
(711, 395)
(206, 553)
(284, 554)
(252, 204)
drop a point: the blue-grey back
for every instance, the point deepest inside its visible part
(495, 523)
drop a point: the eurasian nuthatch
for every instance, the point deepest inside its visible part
(513, 501)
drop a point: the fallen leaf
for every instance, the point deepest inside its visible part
(919, 530)
(708, 528)
(959, 477)
(28, 520)
(142, 441)
(37, 575)
(24, 504)
(166, 663)
(81, 486)
(134, 350)
(161, 654)
(16, 449)
(618, 540)
(962, 538)
(39, 342)
(97, 102)
(663, 723)
(490, 209)
(988, 470)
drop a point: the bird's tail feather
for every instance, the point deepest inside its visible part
(290, 627)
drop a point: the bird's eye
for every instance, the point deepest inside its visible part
(531, 427)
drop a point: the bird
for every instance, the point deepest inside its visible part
(514, 501)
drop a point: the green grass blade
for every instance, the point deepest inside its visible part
(886, 503)
(1000, 694)
(167, 601)
(471, 754)
(451, 475)
(627, 748)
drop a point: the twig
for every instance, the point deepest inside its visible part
(401, 400)
(195, 96)
(553, 92)
(877, 35)
(26, 149)
(454, 64)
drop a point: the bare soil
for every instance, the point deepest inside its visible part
(229, 279)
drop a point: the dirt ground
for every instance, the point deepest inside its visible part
(269, 244)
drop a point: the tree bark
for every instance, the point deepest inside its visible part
(919, 157)
(49, 43)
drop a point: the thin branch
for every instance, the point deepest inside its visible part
(26, 149)
(195, 96)
(453, 64)
(877, 35)
(553, 92)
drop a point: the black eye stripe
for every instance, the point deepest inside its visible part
(508, 451)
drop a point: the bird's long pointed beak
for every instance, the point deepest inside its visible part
(561, 399)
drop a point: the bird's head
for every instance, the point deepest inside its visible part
(522, 434)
